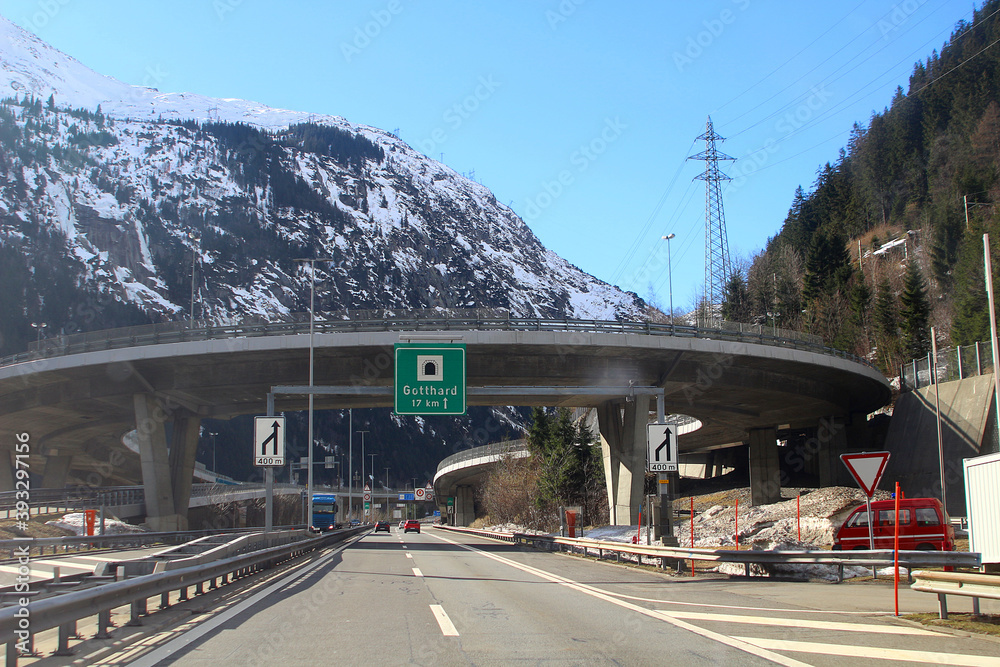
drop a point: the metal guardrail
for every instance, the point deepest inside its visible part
(408, 320)
(884, 557)
(116, 540)
(75, 498)
(63, 611)
(957, 583)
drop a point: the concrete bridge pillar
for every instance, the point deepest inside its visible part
(623, 443)
(6, 471)
(832, 437)
(465, 512)
(56, 470)
(765, 471)
(151, 436)
(183, 449)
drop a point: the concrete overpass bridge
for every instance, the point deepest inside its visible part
(76, 397)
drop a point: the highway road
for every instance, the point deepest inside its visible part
(442, 598)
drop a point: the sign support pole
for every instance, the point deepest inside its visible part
(269, 480)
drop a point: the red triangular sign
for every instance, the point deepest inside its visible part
(867, 469)
(367, 488)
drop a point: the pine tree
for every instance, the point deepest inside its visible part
(736, 300)
(915, 313)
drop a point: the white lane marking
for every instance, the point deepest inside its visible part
(652, 613)
(801, 623)
(184, 639)
(741, 608)
(869, 652)
(417, 572)
(447, 627)
(409, 555)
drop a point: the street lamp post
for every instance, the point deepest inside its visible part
(372, 468)
(194, 259)
(670, 277)
(38, 326)
(309, 445)
(215, 470)
(362, 464)
(387, 478)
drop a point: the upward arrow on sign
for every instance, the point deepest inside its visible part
(867, 468)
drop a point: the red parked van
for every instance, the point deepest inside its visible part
(923, 525)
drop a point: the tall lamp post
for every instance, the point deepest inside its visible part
(362, 465)
(194, 258)
(309, 446)
(38, 326)
(670, 277)
(387, 478)
(215, 470)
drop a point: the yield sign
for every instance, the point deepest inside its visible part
(867, 468)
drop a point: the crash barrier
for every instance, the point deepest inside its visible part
(957, 583)
(676, 555)
(38, 545)
(20, 623)
(74, 499)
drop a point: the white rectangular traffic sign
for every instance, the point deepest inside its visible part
(661, 442)
(269, 441)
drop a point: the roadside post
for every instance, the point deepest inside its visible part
(895, 553)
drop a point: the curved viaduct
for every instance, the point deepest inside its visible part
(77, 402)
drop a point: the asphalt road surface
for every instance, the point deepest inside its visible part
(442, 598)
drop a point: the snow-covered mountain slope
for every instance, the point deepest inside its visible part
(156, 181)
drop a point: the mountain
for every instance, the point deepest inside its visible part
(112, 194)
(889, 238)
(137, 184)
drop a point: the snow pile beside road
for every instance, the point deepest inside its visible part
(75, 522)
(822, 512)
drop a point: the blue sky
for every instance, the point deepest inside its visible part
(578, 113)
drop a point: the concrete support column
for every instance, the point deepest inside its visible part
(56, 470)
(465, 512)
(6, 471)
(859, 436)
(765, 471)
(831, 434)
(151, 436)
(623, 443)
(183, 449)
(609, 424)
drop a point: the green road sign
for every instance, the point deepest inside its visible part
(430, 379)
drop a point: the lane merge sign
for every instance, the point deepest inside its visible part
(867, 469)
(429, 379)
(269, 441)
(661, 448)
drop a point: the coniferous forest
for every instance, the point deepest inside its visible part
(924, 173)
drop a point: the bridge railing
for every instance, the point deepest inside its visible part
(493, 449)
(409, 320)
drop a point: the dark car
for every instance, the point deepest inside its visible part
(411, 524)
(382, 525)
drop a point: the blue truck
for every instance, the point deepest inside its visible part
(324, 515)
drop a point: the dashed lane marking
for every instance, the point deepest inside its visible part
(447, 627)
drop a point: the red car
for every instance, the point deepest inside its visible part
(411, 524)
(923, 525)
